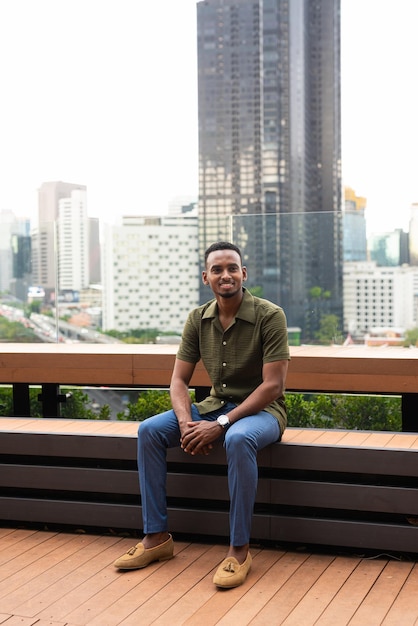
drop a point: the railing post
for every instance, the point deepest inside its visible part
(21, 400)
(50, 398)
(409, 406)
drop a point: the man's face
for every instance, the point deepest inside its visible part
(224, 273)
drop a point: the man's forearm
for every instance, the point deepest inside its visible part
(181, 403)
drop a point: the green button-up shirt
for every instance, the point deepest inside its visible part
(234, 358)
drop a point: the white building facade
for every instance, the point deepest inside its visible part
(44, 238)
(73, 242)
(379, 297)
(150, 270)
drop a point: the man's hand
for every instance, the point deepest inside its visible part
(197, 437)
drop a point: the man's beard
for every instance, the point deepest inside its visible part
(228, 294)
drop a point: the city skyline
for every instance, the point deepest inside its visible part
(81, 108)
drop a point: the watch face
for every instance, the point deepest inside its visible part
(223, 420)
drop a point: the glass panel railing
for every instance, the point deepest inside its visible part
(137, 280)
(296, 261)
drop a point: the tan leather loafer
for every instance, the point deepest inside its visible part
(138, 557)
(230, 573)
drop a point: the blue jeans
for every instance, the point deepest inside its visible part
(242, 440)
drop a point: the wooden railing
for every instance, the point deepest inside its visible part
(353, 369)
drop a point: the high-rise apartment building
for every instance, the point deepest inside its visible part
(22, 266)
(354, 227)
(49, 195)
(389, 249)
(150, 269)
(73, 242)
(12, 230)
(382, 297)
(94, 251)
(269, 144)
(44, 244)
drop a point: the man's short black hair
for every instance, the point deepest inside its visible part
(222, 245)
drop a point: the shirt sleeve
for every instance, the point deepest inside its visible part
(275, 338)
(189, 346)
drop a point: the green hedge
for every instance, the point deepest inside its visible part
(304, 410)
(76, 406)
(353, 412)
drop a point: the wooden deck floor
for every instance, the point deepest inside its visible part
(52, 578)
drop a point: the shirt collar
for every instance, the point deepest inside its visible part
(245, 312)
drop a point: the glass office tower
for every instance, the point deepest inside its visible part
(269, 145)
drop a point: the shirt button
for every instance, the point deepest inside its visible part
(222, 401)
(224, 343)
(223, 364)
(223, 384)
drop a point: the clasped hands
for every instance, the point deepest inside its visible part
(197, 437)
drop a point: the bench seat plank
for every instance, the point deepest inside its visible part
(333, 487)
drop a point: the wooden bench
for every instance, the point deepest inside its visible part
(337, 488)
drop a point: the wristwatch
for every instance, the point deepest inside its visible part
(223, 420)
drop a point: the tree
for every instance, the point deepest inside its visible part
(16, 332)
(136, 335)
(77, 407)
(411, 337)
(149, 403)
(32, 307)
(318, 306)
(6, 402)
(355, 412)
(328, 330)
(257, 291)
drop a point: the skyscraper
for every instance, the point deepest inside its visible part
(389, 249)
(73, 242)
(354, 226)
(14, 237)
(44, 259)
(269, 144)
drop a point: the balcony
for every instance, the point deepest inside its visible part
(327, 502)
(335, 521)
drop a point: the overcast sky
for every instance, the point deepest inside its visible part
(103, 93)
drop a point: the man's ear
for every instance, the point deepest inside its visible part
(244, 273)
(205, 278)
